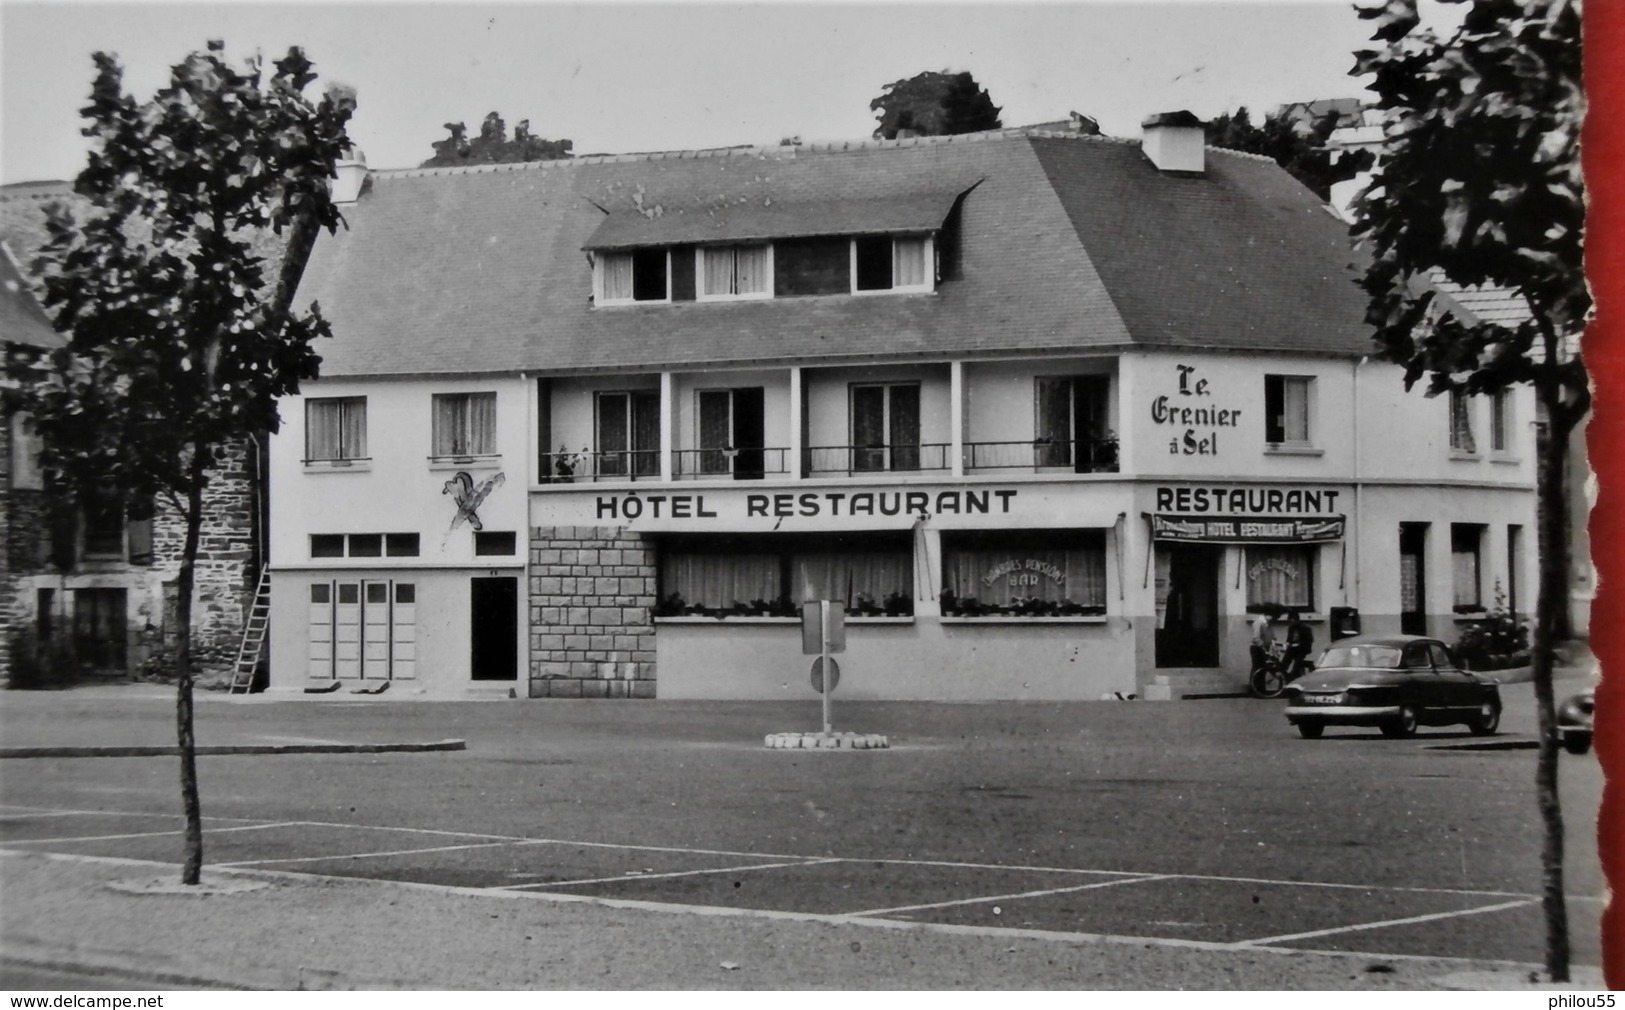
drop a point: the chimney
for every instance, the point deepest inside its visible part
(1174, 142)
(1086, 125)
(352, 174)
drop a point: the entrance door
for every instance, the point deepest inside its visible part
(494, 626)
(1413, 608)
(100, 627)
(1189, 635)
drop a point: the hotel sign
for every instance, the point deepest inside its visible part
(1226, 514)
(1221, 530)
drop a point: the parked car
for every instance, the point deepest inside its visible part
(1574, 721)
(1395, 683)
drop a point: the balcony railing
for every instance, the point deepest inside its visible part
(591, 467)
(855, 460)
(1084, 455)
(725, 463)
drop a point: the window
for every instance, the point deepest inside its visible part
(818, 266)
(366, 545)
(637, 276)
(732, 432)
(1465, 539)
(886, 427)
(336, 429)
(401, 545)
(1286, 409)
(487, 542)
(1030, 573)
(628, 435)
(736, 271)
(1501, 421)
(465, 424)
(327, 545)
(883, 263)
(1281, 577)
(1069, 429)
(25, 454)
(1461, 423)
(765, 575)
(363, 545)
(103, 517)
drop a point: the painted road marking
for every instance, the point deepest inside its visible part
(368, 855)
(146, 834)
(1010, 897)
(675, 873)
(1285, 937)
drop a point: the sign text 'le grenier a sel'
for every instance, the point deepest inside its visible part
(1191, 409)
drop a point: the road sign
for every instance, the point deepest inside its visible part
(818, 675)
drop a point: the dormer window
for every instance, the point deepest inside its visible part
(642, 275)
(887, 263)
(736, 271)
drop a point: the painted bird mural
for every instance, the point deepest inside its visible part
(469, 497)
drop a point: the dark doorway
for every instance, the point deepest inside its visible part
(1413, 578)
(100, 628)
(1189, 635)
(494, 628)
(750, 433)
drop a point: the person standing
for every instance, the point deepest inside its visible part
(1263, 639)
(1300, 642)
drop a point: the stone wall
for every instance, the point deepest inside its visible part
(592, 597)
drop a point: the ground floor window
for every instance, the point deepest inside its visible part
(1465, 541)
(1281, 577)
(1034, 573)
(361, 630)
(768, 575)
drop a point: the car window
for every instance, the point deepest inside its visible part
(1360, 657)
(1441, 656)
(1416, 657)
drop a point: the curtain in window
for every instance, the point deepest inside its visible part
(716, 429)
(868, 427)
(1499, 420)
(1054, 422)
(720, 580)
(904, 427)
(612, 433)
(998, 576)
(482, 424)
(908, 262)
(750, 270)
(1461, 424)
(617, 269)
(1464, 568)
(465, 424)
(336, 429)
(1295, 409)
(842, 577)
(1282, 575)
(645, 434)
(719, 270)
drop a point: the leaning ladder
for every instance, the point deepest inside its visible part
(252, 646)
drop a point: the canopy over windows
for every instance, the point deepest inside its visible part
(766, 219)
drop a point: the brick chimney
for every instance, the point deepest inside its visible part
(1174, 142)
(352, 174)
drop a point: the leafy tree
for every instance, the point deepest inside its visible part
(1305, 154)
(1479, 183)
(178, 341)
(934, 104)
(492, 146)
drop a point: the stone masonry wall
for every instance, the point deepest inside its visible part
(592, 597)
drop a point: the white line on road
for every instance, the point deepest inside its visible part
(145, 834)
(59, 812)
(664, 876)
(1009, 897)
(368, 855)
(1409, 920)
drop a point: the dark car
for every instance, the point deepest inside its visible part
(1395, 683)
(1574, 721)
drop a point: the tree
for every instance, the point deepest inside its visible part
(1479, 183)
(1305, 154)
(492, 146)
(178, 342)
(934, 104)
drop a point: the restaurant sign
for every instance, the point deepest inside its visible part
(1244, 529)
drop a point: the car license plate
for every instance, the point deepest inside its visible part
(1323, 699)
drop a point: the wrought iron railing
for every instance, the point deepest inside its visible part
(1084, 455)
(592, 467)
(729, 462)
(856, 460)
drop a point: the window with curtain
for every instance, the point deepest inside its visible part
(884, 263)
(637, 276)
(886, 426)
(1465, 541)
(1281, 577)
(1461, 423)
(1032, 572)
(465, 424)
(1501, 421)
(771, 574)
(1286, 409)
(628, 433)
(336, 428)
(736, 271)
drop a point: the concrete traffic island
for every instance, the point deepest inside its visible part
(826, 741)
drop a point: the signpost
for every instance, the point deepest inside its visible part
(823, 631)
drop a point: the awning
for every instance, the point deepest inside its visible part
(766, 219)
(1245, 529)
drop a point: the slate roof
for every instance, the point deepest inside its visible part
(759, 221)
(22, 321)
(1064, 244)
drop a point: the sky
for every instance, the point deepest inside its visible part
(672, 76)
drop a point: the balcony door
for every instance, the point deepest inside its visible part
(1071, 423)
(886, 427)
(733, 432)
(628, 434)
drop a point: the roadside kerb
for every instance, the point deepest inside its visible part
(212, 750)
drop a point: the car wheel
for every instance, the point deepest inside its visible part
(1311, 730)
(1403, 724)
(1487, 721)
(1577, 743)
(1267, 682)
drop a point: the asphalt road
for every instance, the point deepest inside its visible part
(1203, 821)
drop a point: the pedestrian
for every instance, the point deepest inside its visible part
(1263, 639)
(1300, 641)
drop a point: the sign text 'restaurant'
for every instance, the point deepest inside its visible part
(810, 504)
(1241, 501)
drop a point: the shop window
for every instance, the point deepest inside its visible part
(492, 543)
(886, 427)
(1501, 421)
(637, 276)
(1286, 409)
(336, 429)
(628, 434)
(465, 424)
(1466, 539)
(1281, 577)
(736, 271)
(870, 574)
(1461, 423)
(883, 263)
(1033, 573)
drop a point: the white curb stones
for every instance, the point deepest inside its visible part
(826, 741)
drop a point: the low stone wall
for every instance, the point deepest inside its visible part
(592, 597)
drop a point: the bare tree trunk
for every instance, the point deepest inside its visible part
(192, 871)
(1551, 509)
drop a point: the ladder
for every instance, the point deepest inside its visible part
(252, 646)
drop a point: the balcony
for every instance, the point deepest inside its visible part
(595, 467)
(1084, 455)
(730, 463)
(862, 460)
